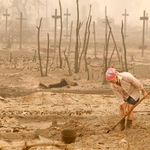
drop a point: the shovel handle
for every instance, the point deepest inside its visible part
(128, 112)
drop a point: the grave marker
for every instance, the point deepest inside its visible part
(7, 15)
(144, 18)
(21, 19)
(125, 16)
(147, 24)
(67, 15)
(55, 17)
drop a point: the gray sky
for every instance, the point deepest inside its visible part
(115, 8)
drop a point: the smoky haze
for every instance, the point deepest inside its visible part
(115, 9)
(33, 10)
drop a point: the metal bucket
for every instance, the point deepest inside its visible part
(68, 136)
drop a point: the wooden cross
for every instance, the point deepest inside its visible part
(21, 19)
(55, 34)
(143, 46)
(6, 23)
(125, 15)
(67, 15)
(147, 24)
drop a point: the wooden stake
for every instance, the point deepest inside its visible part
(144, 18)
(125, 57)
(39, 47)
(21, 19)
(7, 15)
(47, 62)
(70, 38)
(125, 16)
(113, 40)
(95, 51)
(55, 34)
(67, 15)
(60, 39)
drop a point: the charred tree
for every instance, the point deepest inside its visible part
(106, 51)
(111, 57)
(39, 47)
(47, 62)
(105, 55)
(68, 64)
(70, 38)
(113, 40)
(84, 44)
(87, 44)
(85, 38)
(60, 58)
(125, 56)
(94, 33)
(77, 41)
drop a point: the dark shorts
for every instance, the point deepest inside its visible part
(130, 100)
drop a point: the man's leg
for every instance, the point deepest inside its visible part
(130, 116)
(131, 102)
(121, 114)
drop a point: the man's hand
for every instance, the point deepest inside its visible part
(125, 112)
(144, 93)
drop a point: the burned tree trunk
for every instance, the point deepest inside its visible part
(47, 54)
(88, 74)
(60, 59)
(85, 38)
(111, 56)
(113, 40)
(105, 65)
(70, 38)
(95, 51)
(77, 41)
(66, 58)
(86, 68)
(39, 47)
(125, 57)
(106, 51)
(84, 44)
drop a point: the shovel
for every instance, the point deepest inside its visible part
(127, 113)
